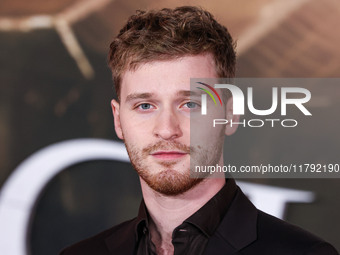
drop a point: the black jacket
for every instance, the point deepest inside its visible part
(243, 231)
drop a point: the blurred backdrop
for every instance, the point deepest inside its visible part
(55, 86)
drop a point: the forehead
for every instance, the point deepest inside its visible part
(167, 77)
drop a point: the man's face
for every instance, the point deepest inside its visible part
(153, 118)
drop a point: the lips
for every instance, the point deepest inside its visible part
(168, 155)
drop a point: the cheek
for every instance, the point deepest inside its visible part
(185, 124)
(203, 134)
(135, 129)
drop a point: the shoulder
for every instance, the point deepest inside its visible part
(251, 231)
(100, 243)
(281, 237)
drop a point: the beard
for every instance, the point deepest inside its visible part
(166, 179)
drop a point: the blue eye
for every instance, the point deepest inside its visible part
(145, 106)
(191, 105)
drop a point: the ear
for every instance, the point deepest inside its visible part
(116, 117)
(229, 130)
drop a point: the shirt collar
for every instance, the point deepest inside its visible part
(142, 221)
(207, 218)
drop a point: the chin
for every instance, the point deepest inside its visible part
(170, 182)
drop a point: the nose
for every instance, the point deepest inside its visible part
(167, 125)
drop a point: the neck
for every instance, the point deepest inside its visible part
(168, 212)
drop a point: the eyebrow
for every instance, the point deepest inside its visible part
(147, 95)
(188, 93)
(138, 96)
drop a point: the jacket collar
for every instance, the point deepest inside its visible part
(210, 215)
(127, 234)
(123, 240)
(238, 228)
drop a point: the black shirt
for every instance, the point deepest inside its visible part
(191, 237)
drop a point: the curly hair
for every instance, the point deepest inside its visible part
(168, 34)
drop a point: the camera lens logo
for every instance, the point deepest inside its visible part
(204, 97)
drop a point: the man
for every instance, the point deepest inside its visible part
(152, 60)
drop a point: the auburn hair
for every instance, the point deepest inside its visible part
(168, 34)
